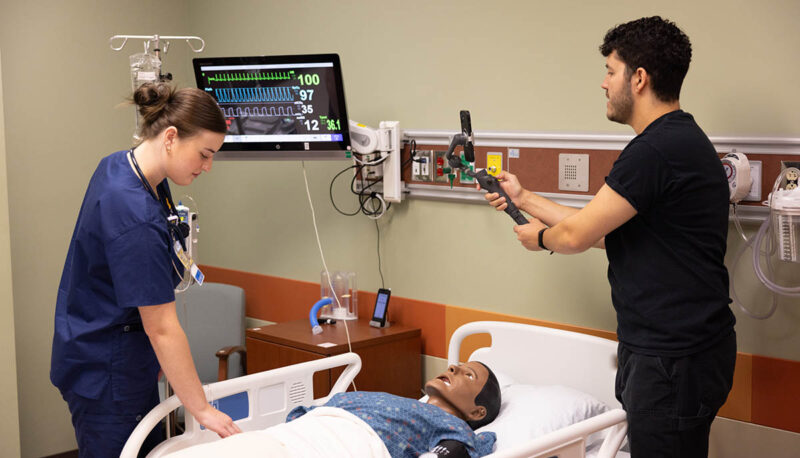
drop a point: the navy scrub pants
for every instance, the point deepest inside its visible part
(671, 402)
(103, 426)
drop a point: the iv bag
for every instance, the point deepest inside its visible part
(145, 68)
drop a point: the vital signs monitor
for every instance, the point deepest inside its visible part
(279, 107)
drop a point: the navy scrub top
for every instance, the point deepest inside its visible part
(120, 258)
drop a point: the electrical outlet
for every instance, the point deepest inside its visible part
(790, 179)
(421, 168)
(755, 188)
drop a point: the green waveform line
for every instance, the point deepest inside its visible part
(271, 76)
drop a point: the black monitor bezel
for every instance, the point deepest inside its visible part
(283, 150)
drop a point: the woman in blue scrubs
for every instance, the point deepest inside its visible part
(115, 320)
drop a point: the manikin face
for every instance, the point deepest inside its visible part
(188, 157)
(456, 389)
(618, 90)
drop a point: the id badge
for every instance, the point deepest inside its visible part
(188, 263)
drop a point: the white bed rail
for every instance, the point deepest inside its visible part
(270, 397)
(570, 442)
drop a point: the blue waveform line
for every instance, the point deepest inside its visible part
(238, 112)
(254, 94)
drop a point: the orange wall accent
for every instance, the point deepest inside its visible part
(428, 316)
(765, 390)
(739, 405)
(776, 393)
(281, 299)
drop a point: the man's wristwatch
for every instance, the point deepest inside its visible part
(541, 240)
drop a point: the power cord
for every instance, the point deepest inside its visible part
(412, 156)
(370, 203)
(324, 264)
(380, 270)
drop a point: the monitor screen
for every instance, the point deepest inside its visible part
(279, 107)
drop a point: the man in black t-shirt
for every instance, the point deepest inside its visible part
(662, 217)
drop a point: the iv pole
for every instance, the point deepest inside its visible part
(155, 39)
(155, 42)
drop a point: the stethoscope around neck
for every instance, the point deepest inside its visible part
(178, 229)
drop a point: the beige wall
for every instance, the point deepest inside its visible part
(530, 66)
(9, 421)
(62, 84)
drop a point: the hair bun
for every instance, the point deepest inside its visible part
(161, 105)
(150, 94)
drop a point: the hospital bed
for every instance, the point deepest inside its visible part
(558, 394)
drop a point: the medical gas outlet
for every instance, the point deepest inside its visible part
(494, 163)
(442, 168)
(464, 177)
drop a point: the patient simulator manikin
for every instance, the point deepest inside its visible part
(361, 423)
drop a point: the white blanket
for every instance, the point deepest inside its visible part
(322, 432)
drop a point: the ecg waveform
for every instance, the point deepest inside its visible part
(238, 112)
(252, 76)
(254, 94)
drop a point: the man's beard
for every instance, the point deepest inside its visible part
(621, 106)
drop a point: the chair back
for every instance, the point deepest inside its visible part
(213, 317)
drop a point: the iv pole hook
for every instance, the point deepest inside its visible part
(190, 40)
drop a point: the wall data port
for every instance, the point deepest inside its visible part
(421, 166)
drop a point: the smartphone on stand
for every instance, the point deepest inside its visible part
(381, 308)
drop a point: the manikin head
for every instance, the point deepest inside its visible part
(469, 391)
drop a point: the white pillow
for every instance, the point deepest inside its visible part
(503, 379)
(529, 411)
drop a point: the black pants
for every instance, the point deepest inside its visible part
(671, 402)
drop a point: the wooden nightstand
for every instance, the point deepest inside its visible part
(390, 357)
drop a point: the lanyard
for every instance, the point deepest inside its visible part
(178, 229)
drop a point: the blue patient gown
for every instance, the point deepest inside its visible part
(407, 427)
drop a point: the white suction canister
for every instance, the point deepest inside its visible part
(737, 169)
(786, 207)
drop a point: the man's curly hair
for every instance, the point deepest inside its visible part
(656, 45)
